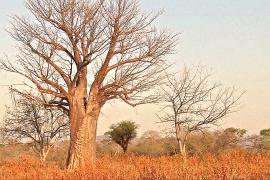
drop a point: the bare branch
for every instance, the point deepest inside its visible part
(193, 103)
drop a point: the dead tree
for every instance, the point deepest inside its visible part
(193, 103)
(27, 121)
(86, 53)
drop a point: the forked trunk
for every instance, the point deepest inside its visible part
(181, 143)
(83, 125)
(43, 155)
(182, 148)
(183, 151)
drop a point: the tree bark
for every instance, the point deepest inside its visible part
(181, 143)
(83, 125)
(178, 135)
(183, 151)
(82, 149)
(182, 148)
(125, 147)
(43, 155)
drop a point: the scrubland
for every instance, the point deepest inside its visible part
(231, 164)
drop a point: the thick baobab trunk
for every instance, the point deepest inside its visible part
(82, 149)
(83, 125)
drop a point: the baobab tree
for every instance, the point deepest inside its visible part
(28, 121)
(194, 103)
(85, 53)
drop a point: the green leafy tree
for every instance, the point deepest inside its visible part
(122, 133)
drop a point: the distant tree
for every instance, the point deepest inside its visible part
(201, 143)
(229, 138)
(151, 134)
(265, 138)
(28, 121)
(151, 143)
(122, 133)
(193, 103)
(265, 132)
(254, 142)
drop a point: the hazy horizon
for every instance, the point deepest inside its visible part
(231, 37)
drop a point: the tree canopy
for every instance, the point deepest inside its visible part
(122, 133)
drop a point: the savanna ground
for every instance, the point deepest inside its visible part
(230, 164)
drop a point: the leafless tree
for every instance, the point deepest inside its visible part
(229, 138)
(86, 53)
(193, 103)
(151, 134)
(27, 121)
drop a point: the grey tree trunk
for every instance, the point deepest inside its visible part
(43, 155)
(181, 143)
(182, 148)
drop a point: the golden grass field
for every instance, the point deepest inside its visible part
(237, 164)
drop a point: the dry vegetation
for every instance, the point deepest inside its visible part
(233, 164)
(214, 155)
(79, 55)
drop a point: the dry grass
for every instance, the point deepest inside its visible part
(229, 165)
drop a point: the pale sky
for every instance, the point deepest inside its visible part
(231, 37)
